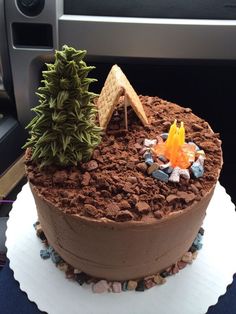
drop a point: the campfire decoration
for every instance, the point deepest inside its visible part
(174, 158)
(179, 153)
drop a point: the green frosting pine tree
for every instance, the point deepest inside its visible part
(64, 130)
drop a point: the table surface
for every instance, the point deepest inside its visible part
(13, 300)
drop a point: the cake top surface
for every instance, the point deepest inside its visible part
(114, 183)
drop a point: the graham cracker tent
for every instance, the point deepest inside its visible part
(117, 85)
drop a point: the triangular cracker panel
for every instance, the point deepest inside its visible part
(115, 86)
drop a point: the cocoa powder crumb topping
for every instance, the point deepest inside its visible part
(115, 183)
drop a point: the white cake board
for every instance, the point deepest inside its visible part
(191, 291)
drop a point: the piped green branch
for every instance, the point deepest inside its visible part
(64, 131)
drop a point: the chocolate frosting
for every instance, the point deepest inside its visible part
(120, 250)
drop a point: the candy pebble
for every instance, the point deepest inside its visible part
(159, 280)
(82, 278)
(152, 168)
(160, 175)
(132, 285)
(44, 254)
(197, 170)
(149, 143)
(125, 286)
(101, 286)
(55, 257)
(164, 136)
(149, 283)
(140, 286)
(187, 257)
(116, 287)
(175, 175)
(148, 159)
(184, 173)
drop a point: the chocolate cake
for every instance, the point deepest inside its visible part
(112, 219)
(121, 183)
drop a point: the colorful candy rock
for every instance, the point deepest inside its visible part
(148, 159)
(141, 285)
(116, 287)
(149, 143)
(200, 160)
(197, 170)
(187, 257)
(184, 173)
(132, 285)
(152, 168)
(164, 166)
(164, 136)
(38, 228)
(125, 286)
(165, 274)
(200, 153)
(175, 269)
(201, 231)
(168, 170)
(198, 238)
(42, 236)
(149, 283)
(159, 280)
(82, 278)
(199, 246)
(70, 274)
(175, 175)
(197, 243)
(50, 249)
(63, 266)
(162, 158)
(160, 175)
(77, 271)
(181, 264)
(44, 254)
(36, 224)
(101, 286)
(195, 254)
(55, 257)
(39, 232)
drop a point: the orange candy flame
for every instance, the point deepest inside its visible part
(179, 153)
